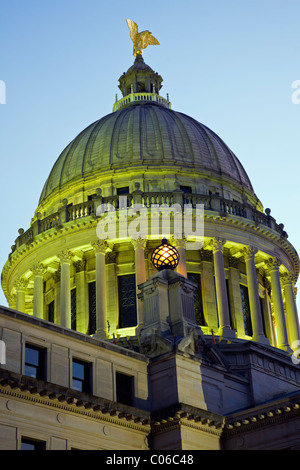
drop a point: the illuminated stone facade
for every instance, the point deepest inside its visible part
(76, 295)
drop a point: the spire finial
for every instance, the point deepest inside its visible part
(140, 40)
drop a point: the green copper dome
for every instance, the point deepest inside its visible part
(147, 135)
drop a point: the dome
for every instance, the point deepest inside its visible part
(147, 135)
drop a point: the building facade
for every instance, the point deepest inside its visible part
(103, 351)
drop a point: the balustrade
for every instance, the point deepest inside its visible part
(70, 212)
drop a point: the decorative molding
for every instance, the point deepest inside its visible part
(139, 243)
(65, 256)
(217, 244)
(206, 255)
(38, 269)
(288, 279)
(100, 246)
(273, 264)
(50, 395)
(80, 265)
(249, 252)
(21, 284)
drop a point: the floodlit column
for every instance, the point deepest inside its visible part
(38, 271)
(281, 330)
(100, 248)
(139, 246)
(65, 288)
(254, 301)
(21, 286)
(180, 244)
(291, 311)
(221, 291)
(81, 296)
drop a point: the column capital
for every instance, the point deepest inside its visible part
(273, 264)
(139, 243)
(80, 265)
(100, 246)
(288, 279)
(21, 284)
(38, 269)
(233, 262)
(65, 256)
(249, 252)
(217, 244)
(178, 242)
(206, 255)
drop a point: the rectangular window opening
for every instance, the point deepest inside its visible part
(125, 388)
(35, 358)
(127, 301)
(81, 376)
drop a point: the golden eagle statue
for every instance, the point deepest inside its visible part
(140, 40)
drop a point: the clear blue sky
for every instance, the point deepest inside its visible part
(229, 64)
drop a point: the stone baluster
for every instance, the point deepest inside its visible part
(100, 247)
(253, 292)
(38, 271)
(221, 291)
(65, 258)
(291, 311)
(282, 339)
(21, 286)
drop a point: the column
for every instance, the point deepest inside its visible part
(100, 248)
(282, 340)
(65, 288)
(112, 313)
(254, 301)
(20, 286)
(82, 318)
(180, 244)
(139, 246)
(291, 311)
(235, 299)
(56, 279)
(209, 291)
(38, 271)
(221, 291)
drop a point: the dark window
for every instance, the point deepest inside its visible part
(50, 308)
(92, 308)
(81, 376)
(121, 191)
(186, 189)
(35, 361)
(124, 388)
(73, 309)
(127, 301)
(199, 315)
(229, 305)
(32, 444)
(263, 315)
(246, 310)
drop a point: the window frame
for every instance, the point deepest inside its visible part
(120, 391)
(86, 381)
(41, 366)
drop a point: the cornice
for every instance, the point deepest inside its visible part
(68, 400)
(277, 412)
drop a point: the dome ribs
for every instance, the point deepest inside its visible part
(144, 134)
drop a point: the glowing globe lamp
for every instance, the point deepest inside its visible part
(165, 256)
